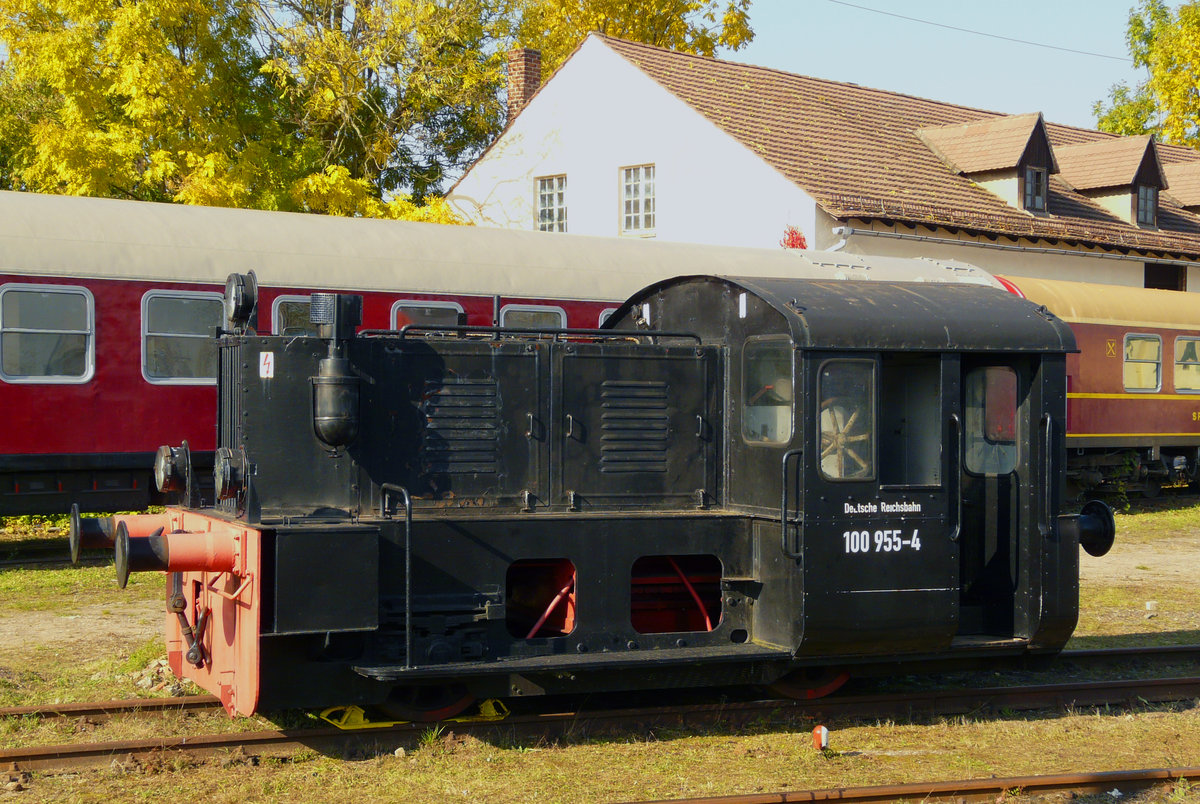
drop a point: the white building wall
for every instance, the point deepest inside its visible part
(1023, 258)
(599, 114)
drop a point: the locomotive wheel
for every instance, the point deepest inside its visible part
(809, 682)
(838, 425)
(425, 704)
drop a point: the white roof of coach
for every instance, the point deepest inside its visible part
(106, 238)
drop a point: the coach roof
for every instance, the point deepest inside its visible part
(45, 235)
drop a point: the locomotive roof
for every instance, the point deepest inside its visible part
(1112, 304)
(888, 315)
(106, 238)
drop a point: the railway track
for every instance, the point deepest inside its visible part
(574, 724)
(991, 789)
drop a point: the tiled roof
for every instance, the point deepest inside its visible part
(995, 143)
(1184, 179)
(1110, 162)
(856, 151)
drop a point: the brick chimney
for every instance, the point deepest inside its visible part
(524, 77)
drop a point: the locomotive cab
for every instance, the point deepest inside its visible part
(899, 448)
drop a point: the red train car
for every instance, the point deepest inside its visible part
(107, 309)
(1133, 401)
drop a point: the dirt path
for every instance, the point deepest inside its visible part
(1171, 561)
(84, 630)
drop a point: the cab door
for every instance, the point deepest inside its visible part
(880, 553)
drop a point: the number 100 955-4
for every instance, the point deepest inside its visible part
(884, 541)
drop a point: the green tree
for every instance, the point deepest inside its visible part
(556, 27)
(1166, 43)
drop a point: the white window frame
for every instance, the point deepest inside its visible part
(557, 193)
(89, 369)
(536, 308)
(640, 198)
(276, 322)
(1125, 361)
(1175, 372)
(174, 294)
(435, 303)
(606, 314)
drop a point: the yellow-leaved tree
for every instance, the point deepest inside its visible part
(156, 100)
(1166, 43)
(556, 27)
(346, 107)
(400, 93)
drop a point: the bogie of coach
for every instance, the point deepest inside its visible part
(738, 478)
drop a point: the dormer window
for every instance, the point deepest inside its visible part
(1147, 205)
(1035, 189)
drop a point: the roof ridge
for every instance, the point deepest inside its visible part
(782, 72)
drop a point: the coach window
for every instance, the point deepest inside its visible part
(1187, 364)
(532, 316)
(427, 314)
(178, 347)
(290, 316)
(47, 333)
(1143, 363)
(606, 314)
(846, 419)
(990, 421)
(767, 383)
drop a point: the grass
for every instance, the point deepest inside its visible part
(666, 763)
(54, 589)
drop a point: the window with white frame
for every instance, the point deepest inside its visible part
(1187, 364)
(1143, 363)
(637, 196)
(426, 313)
(291, 315)
(532, 316)
(178, 347)
(47, 333)
(552, 203)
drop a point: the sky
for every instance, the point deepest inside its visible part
(842, 42)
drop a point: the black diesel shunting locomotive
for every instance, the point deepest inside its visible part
(736, 480)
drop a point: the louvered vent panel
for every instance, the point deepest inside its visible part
(633, 426)
(462, 427)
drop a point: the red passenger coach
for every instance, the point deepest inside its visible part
(1133, 402)
(108, 308)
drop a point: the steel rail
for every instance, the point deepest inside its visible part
(991, 789)
(104, 709)
(551, 726)
(1047, 695)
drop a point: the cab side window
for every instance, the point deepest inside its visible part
(846, 419)
(990, 427)
(767, 391)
